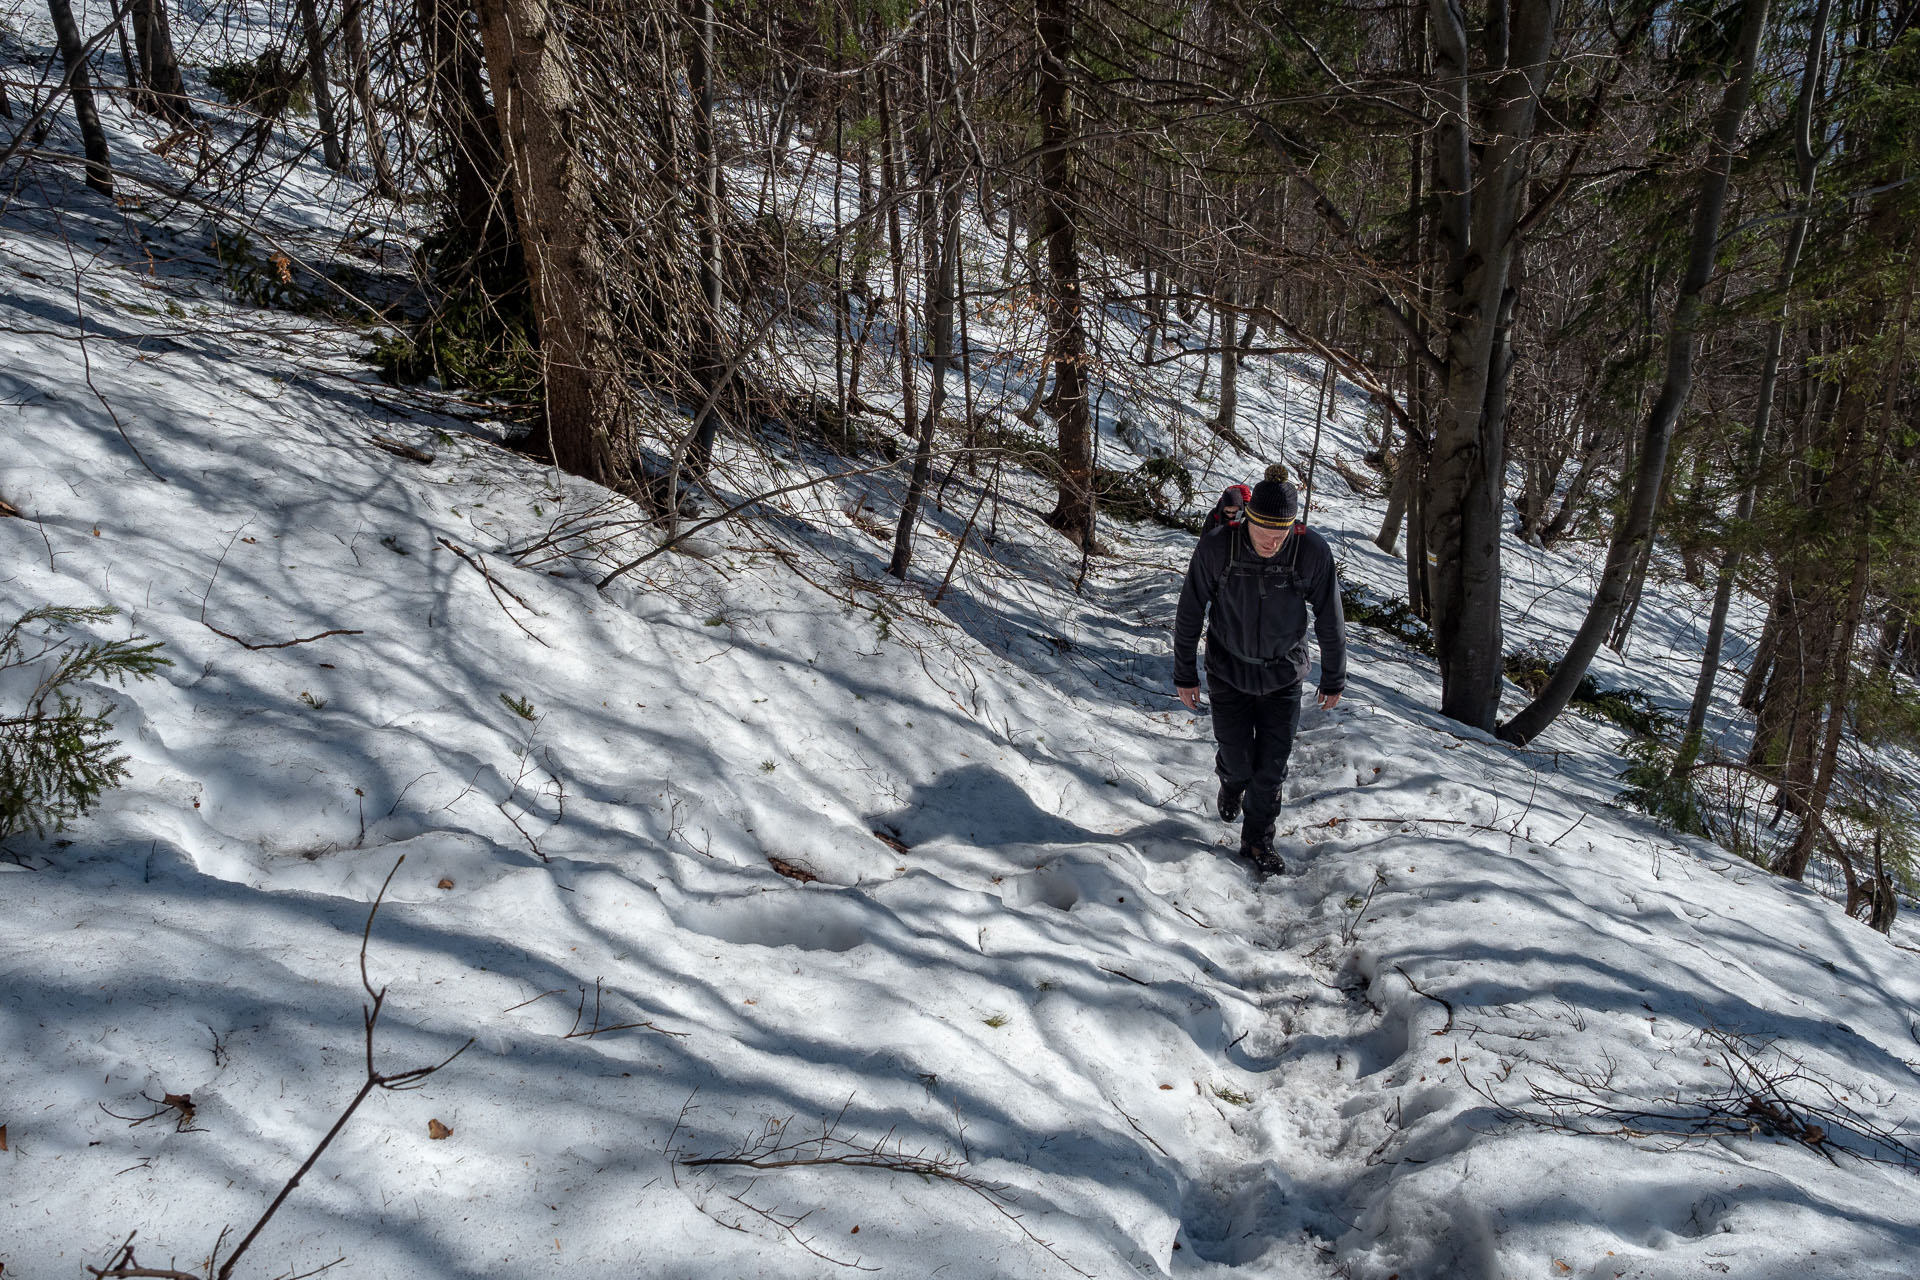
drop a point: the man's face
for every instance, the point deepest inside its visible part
(1266, 541)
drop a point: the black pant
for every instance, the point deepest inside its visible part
(1255, 733)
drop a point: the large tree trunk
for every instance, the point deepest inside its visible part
(162, 90)
(80, 88)
(331, 153)
(1631, 538)
(588, 415)
(1758, 433)
(1478, 211)
(1056, 229)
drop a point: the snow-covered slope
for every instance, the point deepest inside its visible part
(1028, 1017)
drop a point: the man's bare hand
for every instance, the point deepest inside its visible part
(1190, 695)
(1328, 701)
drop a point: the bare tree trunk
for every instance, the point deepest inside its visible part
(80, 88)
(1793, 862)
(331, 153)
(1322, 406)
(476, 174)
(940, 235)
(842, 301)
(1388, 538)
(862, 251)
(162, 89)
(1476, 227)
(1631, 594)
(588, 409)
(1757, 435)
(136, 77)
(1556, 528)
(353, 36)
(1633, 536)
(1763, 651)
(709, 367)
(1790, 712)
(1206, 365)
(891, 178)
(1405, 464)
(1229, 408)
(1073, 513)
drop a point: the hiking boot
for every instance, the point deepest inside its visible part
(1229, 804)
(1265, 861)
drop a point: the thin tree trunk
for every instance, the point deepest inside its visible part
(1763, 651)
(331, 153)
(1322, 406)
(163, 90)
(1206, 365)
(940, 232)
(709, 368)
(79, 84)
(1634, 533)
(1630, 597)
(842, 300)
(1405, 464)
(1793, 863)
(476, 174)
(1388, 538)
(137, 96)
(1229, 408)
(891, 180)
(861, 252)
(1763, 412)
(353, 36)
(588, 416)
(1073, 513)
(1576, 492)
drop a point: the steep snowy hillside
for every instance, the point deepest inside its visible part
(800, 926)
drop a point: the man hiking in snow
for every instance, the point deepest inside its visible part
(1258, 579)
(1231, 509)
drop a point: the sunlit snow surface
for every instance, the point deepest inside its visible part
(1065, 987)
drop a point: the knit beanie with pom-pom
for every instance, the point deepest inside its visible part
(1275, 501)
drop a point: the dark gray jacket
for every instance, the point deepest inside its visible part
(1257, 636)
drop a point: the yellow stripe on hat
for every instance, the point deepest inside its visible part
(1268, 522)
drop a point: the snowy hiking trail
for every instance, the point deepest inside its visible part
(1028, 944)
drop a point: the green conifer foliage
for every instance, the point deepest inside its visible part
(55, 756)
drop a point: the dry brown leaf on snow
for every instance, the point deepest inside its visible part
(446, 882)
(791, 870)
(3, 1137)
(436, 1130)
